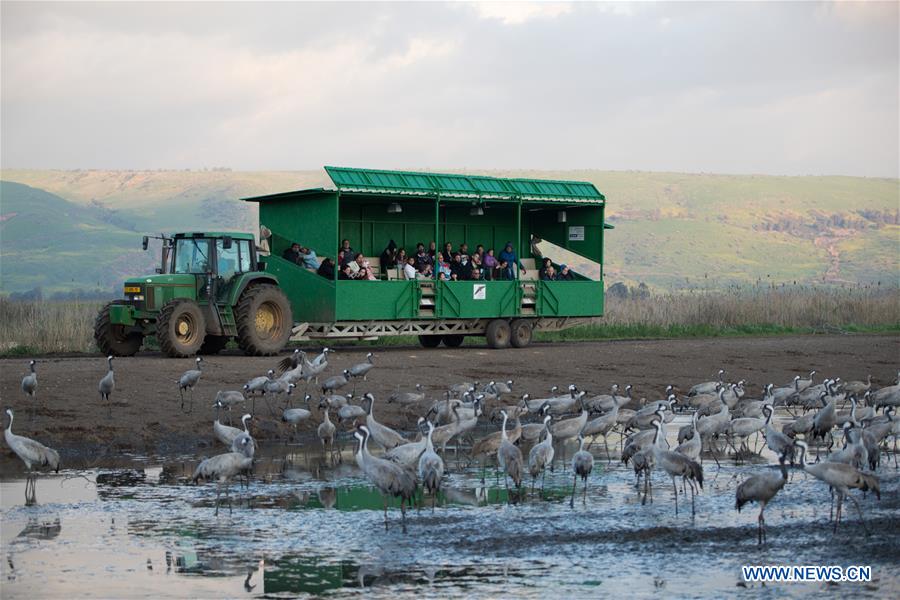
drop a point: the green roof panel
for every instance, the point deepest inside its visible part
(467, 186)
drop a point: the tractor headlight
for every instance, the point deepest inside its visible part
(138, 297)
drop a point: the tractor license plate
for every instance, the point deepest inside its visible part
(132, 289)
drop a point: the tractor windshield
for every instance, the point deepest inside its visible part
(191, 256)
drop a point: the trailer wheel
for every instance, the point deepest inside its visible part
(264, 321)
(113, 339)
(497, 334)
(453, 341)
(520, 333)
(213, 344)
(430, 341)
(180, 328)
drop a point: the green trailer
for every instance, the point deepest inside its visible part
(560, 220)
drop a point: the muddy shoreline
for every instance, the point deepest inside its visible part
(146, 416)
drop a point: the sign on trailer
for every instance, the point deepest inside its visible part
(479, 291)
(576, 233)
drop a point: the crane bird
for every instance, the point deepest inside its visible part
(509, 458)
(32, 453)
(227, 434)
(776, 441)
(761, 488)
(325, 431)
(408, 397)
(676, 465)
(582, 465)
(228, 400)
(362, 369)
(294, 361)
(408, 454)
(541, 455)
(107, 384)
(431, 467)
(336, 382)
(295, 416)
(602, 425)
(841, 478)
(257, 386)
(692, 446)
(188, 381)
(276, 387)
(383, 435)
(390, 478)
(707, 387)
(29, 386)
(223, 468)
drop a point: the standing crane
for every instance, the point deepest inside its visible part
(509, 458)
(223, 468)
(390, 478)
(431, 468)
(32, 453)
(582, 465)
(29, 386)
(541, 455)
(187, 382)
(107, 384)
(761, 488)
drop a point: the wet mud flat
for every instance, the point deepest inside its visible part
(147, 416)
(304, 527)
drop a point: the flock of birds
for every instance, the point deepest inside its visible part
(723, 417)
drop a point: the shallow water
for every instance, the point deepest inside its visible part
(302, 528)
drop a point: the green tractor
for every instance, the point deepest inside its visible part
(209, 289)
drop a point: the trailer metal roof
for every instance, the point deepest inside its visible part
(448, 185)
(451, 186)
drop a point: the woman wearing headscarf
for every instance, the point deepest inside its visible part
(389, 256)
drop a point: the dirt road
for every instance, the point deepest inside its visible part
(146, 417)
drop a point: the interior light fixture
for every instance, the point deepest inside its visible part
(476, 211)
(561, 216)
(394, 208)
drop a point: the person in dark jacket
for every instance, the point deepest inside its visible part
(293, 254)
(423, 259)
(512, 261)
(326, 269)
(565, 274)
(389, 256)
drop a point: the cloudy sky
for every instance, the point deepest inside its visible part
(781, 88)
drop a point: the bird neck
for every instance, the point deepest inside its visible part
(9, 427)
(504, 426)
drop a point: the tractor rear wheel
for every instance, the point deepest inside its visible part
(521, 333)
(180, 328)
(430, 341)
(453, 341)
(213, 344)
(114, 339)
(497, 334)
(264, 320)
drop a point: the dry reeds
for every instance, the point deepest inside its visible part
(47, 326)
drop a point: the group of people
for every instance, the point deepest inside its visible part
(445, 264)
(448, 264)
(548, 272)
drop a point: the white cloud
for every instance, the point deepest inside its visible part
(517, 13)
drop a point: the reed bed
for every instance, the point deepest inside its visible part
(47, 327)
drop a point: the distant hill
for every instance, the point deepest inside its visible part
(673, 230)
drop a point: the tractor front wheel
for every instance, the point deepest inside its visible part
(264, 320)
(180, 328)
(114, 339)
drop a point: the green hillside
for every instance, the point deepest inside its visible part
(51, 243)
(673, 230)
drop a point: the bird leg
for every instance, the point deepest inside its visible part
(584, 495)
(606, 447)
(403, 515)
(861, 518)
(385, 514)
(760, 527)
(574, 483)
(675, 489)
(693, 506)
(218, 492)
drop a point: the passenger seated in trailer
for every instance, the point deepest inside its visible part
(359, 261)
(409, 269)
(549, 274)
(479, 250)
(308, 258)
(422, 258)
(504, 272)
(544, 264)
(565, 274)
(490, 264)
(477, 267)
(448, 251)
(464, 251)
(326, 269)
(389, 256)
(346, 272)
(427, 272)
(432, 249)
(401, 258)
(292, 254)
(347, 250)
(512, 261)
(365, 274)
(441, 266)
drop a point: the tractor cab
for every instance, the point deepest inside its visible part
(208, 289)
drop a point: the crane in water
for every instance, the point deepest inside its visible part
(390, 478)
(761, 488)
(33, 454)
